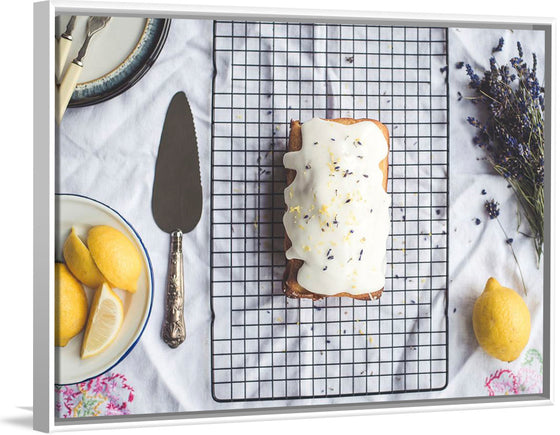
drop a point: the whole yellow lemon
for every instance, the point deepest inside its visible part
(71, 307)
(501, 321)
(80, 262)
(116, 257)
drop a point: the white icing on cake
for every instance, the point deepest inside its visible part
(337, 214)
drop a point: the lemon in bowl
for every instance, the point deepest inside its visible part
(116, 257)
(104, 321)
(501, 321)
(80, 262)
(71, 306)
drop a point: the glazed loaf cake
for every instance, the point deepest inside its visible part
(337, 208)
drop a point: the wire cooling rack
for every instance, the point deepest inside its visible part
(264, 345)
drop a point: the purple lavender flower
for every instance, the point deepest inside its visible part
(498, 47)
(493, 67)
(519, 49)
(475, 79)
(492, 208)
(474, 122)
(505, 75)
(534, 70)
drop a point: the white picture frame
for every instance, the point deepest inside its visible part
(44, 216)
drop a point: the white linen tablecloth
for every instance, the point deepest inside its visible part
(108, 152)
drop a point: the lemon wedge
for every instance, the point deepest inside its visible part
(80, 262)
(104, 322)
(116, 257)
(71, 306)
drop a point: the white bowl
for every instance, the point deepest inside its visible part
(82, 213)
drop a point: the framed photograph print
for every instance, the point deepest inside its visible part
(282, 211)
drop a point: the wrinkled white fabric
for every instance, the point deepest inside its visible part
(108, 151)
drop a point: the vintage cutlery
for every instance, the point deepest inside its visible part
(63, 47)
(70, 79)
(176, 204)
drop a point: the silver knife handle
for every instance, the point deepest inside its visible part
(173, 331)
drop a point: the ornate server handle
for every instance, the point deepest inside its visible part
(173, 331)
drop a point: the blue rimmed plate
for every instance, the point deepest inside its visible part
(83, 213)
(117, 57)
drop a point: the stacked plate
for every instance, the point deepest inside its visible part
(118, 56)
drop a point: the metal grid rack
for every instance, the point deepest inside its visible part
(265, 346)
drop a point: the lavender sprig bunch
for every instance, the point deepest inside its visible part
(512, 133)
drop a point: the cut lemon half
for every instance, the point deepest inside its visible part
(104, 322)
